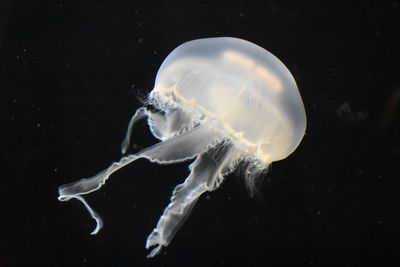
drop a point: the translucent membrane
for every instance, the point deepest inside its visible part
(225, 102)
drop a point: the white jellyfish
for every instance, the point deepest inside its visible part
(225, 102)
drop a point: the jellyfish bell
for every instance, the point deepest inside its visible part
(236, 82)
(223, 101)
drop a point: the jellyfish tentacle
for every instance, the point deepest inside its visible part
(157, 124)
(174, 122)
(205, 171)
(170, 151)
(93, 214)
(162, 126)
(140, 113)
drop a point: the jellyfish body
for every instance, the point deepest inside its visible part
(222, 101)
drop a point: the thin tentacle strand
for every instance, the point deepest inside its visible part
(205, 171)
(166, 152)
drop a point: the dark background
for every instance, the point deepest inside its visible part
(71, 74)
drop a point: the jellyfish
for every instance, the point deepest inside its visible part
(225, 103)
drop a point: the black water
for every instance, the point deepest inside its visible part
(71, 74)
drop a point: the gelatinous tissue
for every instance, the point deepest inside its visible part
(226, 103)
